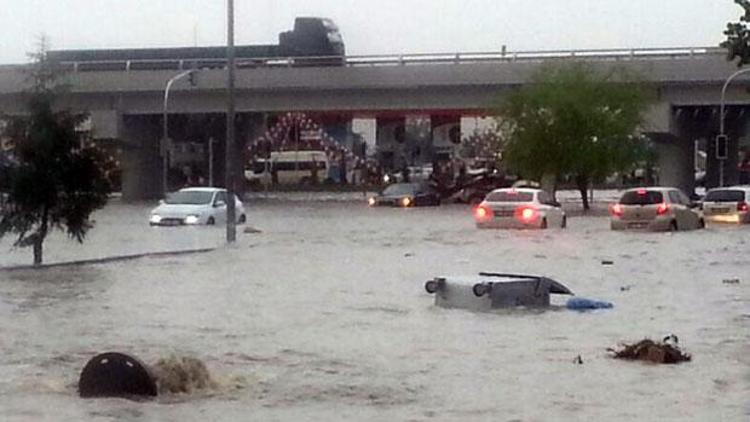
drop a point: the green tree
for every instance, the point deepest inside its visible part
(573, 122)
(738, 36)
(57, 180)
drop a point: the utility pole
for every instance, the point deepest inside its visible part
(721, 139)
(229, 150)
(165, 129)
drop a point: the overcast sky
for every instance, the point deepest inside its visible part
(368, 26)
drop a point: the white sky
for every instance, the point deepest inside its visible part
(368, 26)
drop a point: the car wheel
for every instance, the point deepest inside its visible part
(564, 223)
(673, 226)
(242, 219)
(544, 224)
(701, 224)
(210, 221)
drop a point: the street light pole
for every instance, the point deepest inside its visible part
(229, 150)
(165, 130)
(721, 117)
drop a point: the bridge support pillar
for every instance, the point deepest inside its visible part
(675, 158)
(249, 127)
(390, 135)
(141, 166)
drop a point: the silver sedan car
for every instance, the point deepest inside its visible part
(519, 208)
(655, 208)
(192, 206)
(727, 205)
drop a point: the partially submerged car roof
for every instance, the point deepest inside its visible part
(489, 277)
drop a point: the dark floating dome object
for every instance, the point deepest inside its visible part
(115, 374)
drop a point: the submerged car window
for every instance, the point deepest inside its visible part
(190, 198)
(400, 189)
(641, 198)
(725, 195)
(509, 196)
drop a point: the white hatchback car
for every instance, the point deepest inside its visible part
(519, 208)
(655, 208)
(727, 205)
(195, 206)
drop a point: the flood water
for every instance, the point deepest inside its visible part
(323, 316)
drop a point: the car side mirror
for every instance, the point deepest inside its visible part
(219, 203)
(694, 204)
(555, 204)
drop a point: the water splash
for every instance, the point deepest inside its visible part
(182, 374)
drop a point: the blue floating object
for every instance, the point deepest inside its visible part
(584, 304)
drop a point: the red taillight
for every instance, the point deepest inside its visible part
(662, 208)
(616, 210)
(482, 213)
(742, 206)
(526, 213)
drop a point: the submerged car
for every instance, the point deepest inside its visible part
(727, 205)
(655, 208)
(487, 291)
(519, 208)
(406, 195)
(191, 206)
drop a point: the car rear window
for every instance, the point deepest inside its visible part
(641, 198)
(510, 196)
(725, 195)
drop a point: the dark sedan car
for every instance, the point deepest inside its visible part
(406, 195)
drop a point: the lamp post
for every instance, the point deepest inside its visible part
(165, 130)
(722, 135)
(229, 150)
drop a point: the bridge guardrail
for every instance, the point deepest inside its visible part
(397, 59)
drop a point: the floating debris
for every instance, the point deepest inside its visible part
(626, 287)
(578, 360)
(249, 229)
(181, 374)
(651, 351)
(731, 281)
(578, 303)
(608, 262)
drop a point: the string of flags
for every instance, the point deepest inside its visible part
(297, 131)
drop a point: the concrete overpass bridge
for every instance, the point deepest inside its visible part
(125, 99)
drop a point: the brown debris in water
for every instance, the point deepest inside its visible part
(651, 351)
(181, 374)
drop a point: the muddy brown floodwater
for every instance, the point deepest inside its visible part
(322, 315)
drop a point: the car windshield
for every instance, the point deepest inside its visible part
(510, 196)
(189, 197)
(725, 195)
(641, 197)
(401, 189)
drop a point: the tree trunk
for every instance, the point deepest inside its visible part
(38, 250)
(39, 240)
(582, 184)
